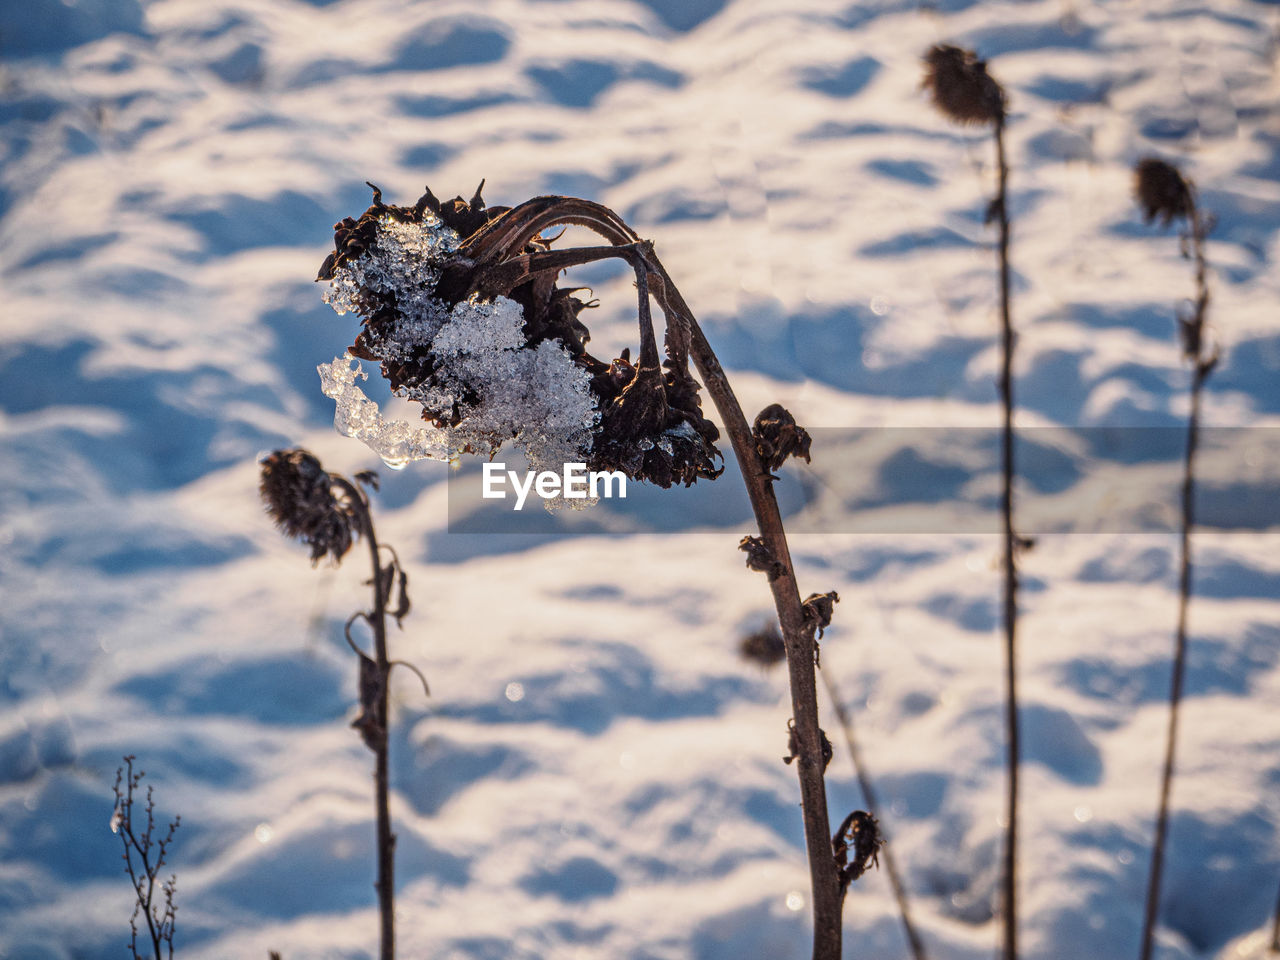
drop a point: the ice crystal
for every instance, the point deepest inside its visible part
(356, 416)
(536, 397)
(403, 262)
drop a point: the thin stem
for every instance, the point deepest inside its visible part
(1275, 929)
(1010, 877)
(1202, 365)
(378, 622)
(914, 943)
(797, 634)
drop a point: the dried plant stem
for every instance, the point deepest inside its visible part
(1202, 364)
(914, 943)
(1011, 541)
(1275, 928)
(797, 634)
(377, 620)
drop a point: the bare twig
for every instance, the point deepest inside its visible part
(963, 90)
(914, 942)
(377, 738)
(150, 849)
(300, 495)
(1011, 543)
(1178, 201)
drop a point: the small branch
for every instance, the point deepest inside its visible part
(1010, 873)
(798, 635)
(378, 622)
(1202, 361)
(1275, 929)
(914, 943)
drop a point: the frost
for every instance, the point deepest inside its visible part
(484, 369)
(405, 261)
(535, 396)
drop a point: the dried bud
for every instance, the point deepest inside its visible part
(779, 437)
(856, 846)
(299, 496)
(818, 609)
(961, 87)
(1161, 191)
(366, 722)
(763, 646)
(760, 557)
(793, 745)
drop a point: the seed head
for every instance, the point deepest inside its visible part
(1161, 191)
(462, 321)
(299, 497)
(961, 87)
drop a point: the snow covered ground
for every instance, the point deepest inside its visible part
(597, 774)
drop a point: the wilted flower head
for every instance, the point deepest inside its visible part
(1161, 191)
(462, 322)
(299, 497)
(961, 87)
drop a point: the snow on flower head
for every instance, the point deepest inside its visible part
(461, 319)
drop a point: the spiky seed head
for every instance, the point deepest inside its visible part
(1161, 191)
(961, 87)
(299, 497)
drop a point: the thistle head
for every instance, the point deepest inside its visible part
(1161, 191)
(961, 88)
(299, 497)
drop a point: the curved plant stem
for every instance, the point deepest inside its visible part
(1275, 929)
(1010, 873)
(797, 634)
(1202, 365)
(914, 943)
(501, 246)
(377, 621)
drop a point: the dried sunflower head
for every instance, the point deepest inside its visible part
(462, 320)
(961, 87)
(299, 496)
(1161, 191)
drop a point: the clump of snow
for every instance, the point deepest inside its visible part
(405, 263)
(395, 441)
(502, 388)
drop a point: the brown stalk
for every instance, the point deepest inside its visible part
(914, 942)
(377, 620)
(1275, 929)
(798, 634)
(1011, 542)
(1202, 361)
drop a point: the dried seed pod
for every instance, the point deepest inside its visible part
(859, 834)
(961, 87)
(299, 496)
(1161, 191)
(818, 609)
(459, 306)
(760, 557)
(778, 437)
(764, 646)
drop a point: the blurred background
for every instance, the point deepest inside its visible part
(597, 772)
